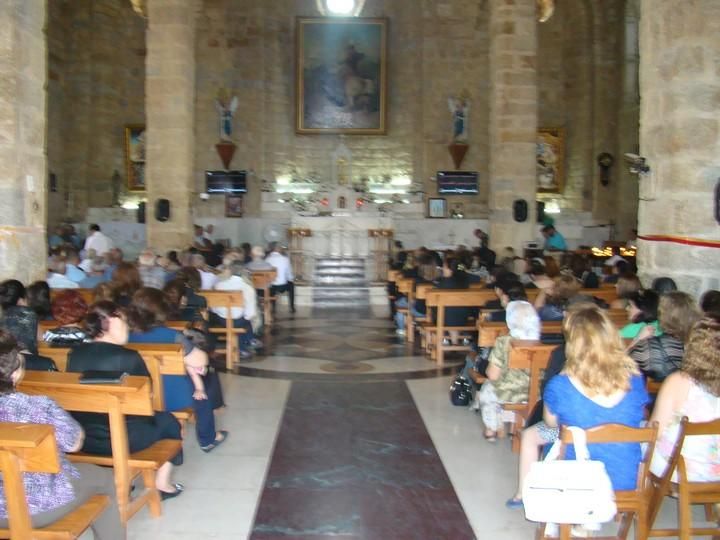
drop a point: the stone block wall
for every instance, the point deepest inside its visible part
(680, 137)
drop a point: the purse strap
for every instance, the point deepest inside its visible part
(579, 442)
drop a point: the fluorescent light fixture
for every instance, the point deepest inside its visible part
(382, 201)
(340, 7)
(130, 205)
(405, 201)
(283, 180)
(388, 190)
(401, 181)
(552, 207)
(293, 189)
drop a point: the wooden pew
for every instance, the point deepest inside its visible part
(227, 300)
(488, 332)
(262, 279)
(44, 326)
(132, 396)
(160, 359)
(533, 356)
(32, 448)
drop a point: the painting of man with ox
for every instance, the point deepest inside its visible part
(341, 75)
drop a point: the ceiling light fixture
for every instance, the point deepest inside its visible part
(340, 8)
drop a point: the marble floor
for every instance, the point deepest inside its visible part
(340, 430)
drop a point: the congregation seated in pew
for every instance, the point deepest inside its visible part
(50, 496)
(199, 389)
(107, 326)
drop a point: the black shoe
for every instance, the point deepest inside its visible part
(165, 495)
(213, 445)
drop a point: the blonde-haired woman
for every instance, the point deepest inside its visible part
(600, 384)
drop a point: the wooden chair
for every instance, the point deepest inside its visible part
(262, 279)
(688, 492)
(633, 504)
(226, 300)
(31, 448)
(160, 359)
(132, 396)
(534, 357)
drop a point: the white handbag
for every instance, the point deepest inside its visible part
(569, 491)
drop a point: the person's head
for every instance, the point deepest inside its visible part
(702, 355)
(273, 246)
(643, 306)
(69, 307)
(149, 308)
(710, 303)
(552, 268)
(38, 298)
(11, 362)
(427, 268)
(579, 265)
(173, 257)
(190, 276)
(677, 313)
(595, 352)
(103, 291)
(246, 248)
(126, 279)
(90, 254)
(522, 320)
(210, 228)
(257, 253)
(57, 265)
(451, 267)
(198, 230)
(94, 227)
(536, 268)
(663, 285)
(237, 268)
(548, 231)
(106, 321)
(510, 290)
(147, 258)
(197, 261)
(627, 285)
(398, 244)
(12, 293)
(72, 257)
(565, 287)
(621, 267)
(174, 292)
(114, 256)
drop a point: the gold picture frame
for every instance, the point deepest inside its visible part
(550, 159)
(135, 157)
(341, 75)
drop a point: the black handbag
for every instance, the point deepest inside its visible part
(460, 392)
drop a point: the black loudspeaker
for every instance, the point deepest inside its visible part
(141, 212)
(520, 210)
(540, 212)
(162, 209)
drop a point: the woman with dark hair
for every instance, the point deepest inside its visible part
(193, 281)
(246, 252)
(38, 299)
(50, 496)
(710, 303)
(659, 356)
(581, 268)
(642, 311)
(17, 318)
(106, 325)
(664, 285)
(454, 277)
(125, 281)
(68, 309)
(625, 287)
(198, 389)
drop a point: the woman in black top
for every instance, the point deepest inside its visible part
(17, 318)
(106, 325)
(38, 299)
(455, 278)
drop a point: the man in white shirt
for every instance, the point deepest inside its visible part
(98, 241)
(241, 315)
(284, 279)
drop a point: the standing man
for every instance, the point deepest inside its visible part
(284, 279)
(97, 241)
(554, 241)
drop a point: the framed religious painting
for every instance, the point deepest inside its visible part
(341, 75)
(550, 160)
(135, 157)
(233, 205)
(437, 207)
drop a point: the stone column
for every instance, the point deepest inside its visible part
(170, 114)
(680, 137)
(513, 119)
(23, 163)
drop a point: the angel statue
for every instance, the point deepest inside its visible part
(226, 111)
(460, 109)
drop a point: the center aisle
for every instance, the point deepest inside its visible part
(354, 460)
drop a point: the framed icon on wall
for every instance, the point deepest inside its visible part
(437, 207)
(233, 205)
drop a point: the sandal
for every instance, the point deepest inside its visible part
(165, 495)
(217, 442)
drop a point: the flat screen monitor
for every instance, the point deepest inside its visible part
(457, 182)
(226, 181)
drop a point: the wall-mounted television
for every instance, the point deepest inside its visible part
(457, 182)
(226, 181)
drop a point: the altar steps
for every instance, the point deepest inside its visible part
(340, 282)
